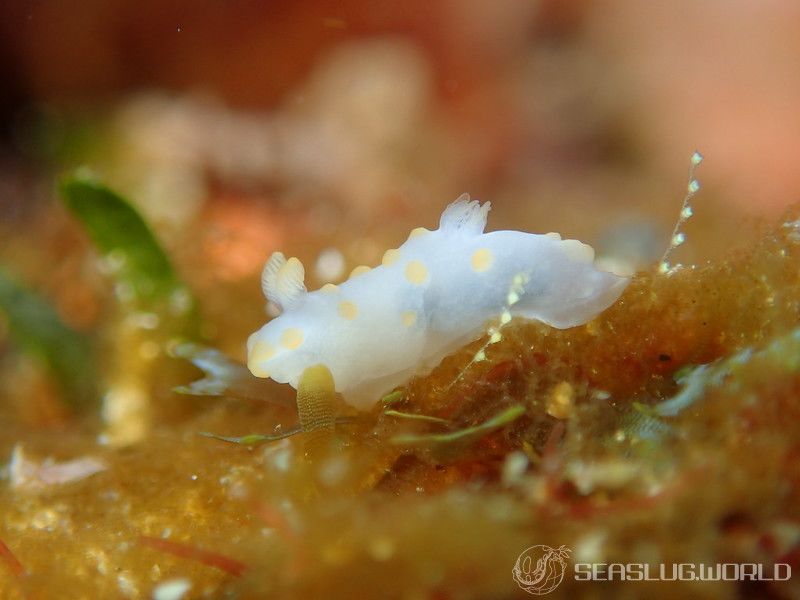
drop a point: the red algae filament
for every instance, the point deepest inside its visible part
(11, 561)
(206, 557)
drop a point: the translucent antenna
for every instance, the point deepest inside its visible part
(678, 237)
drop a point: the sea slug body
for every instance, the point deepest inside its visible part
(429, 297)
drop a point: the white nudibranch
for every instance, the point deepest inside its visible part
(430, 296)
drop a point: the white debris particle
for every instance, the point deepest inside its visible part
(514, 467)
(172, 589)
(180, 301)
(794, 227)
(279, 455)
(330, 265)
(144, 320)
(589, 548)
(333, 471)
(28, 475)
(127, 585)
(609, 474)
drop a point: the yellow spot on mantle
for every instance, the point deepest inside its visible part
(292, 338)
(416, 272)
(262, 352)
(258, 370)
(329, 288)
(348, 310)
(359, 270)
(409, 317)
(390, 257)
(482, 259)
(415, 233)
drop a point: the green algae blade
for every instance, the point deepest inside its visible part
(130, 251)
(415, 417)
(468, 434)
(392, 397)
(38, 330)
(122, 236)
(253, 439)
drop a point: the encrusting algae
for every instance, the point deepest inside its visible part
(563, 437)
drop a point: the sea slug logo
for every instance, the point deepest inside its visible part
(540, 569)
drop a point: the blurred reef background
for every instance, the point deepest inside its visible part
(153, 155)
